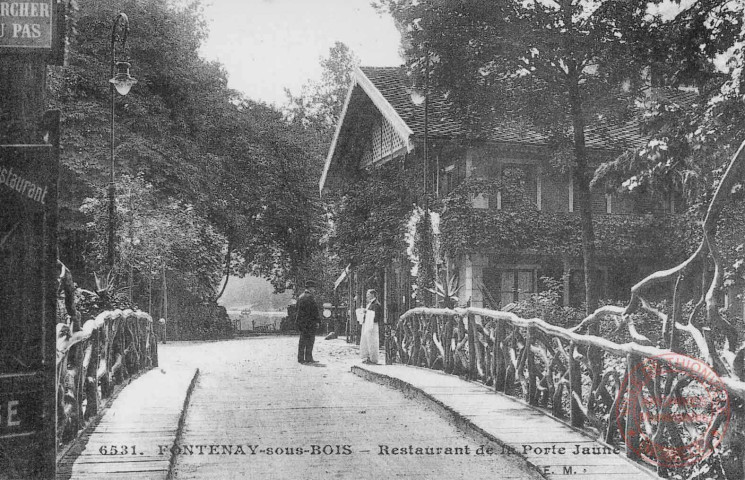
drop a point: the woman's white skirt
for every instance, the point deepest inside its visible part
(370, 340)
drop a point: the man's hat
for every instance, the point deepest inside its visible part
(310, 284)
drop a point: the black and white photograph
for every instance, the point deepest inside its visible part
(365, 239)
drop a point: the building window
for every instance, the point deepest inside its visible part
(601, 203)
(520, 182)
(505, 286)
(648, 202)
(450, 177)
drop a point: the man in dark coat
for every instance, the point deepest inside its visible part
(308, 320)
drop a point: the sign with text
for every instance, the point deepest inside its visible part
(24, 184)
(19, 411)
(28, 293)
(27, 25)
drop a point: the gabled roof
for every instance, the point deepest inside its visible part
(362, 87)
(389, 90)
(395, 87)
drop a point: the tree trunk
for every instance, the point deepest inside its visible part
(131, 245)
(165, 304)
(227, 271)
(150, 291)
(582, 186)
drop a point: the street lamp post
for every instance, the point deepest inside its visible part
(419, 97)
(122, 82)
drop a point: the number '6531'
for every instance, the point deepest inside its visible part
(117, 450)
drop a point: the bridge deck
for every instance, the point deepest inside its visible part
(519, 429)
(144, 415)
(308, 422)
(252, 394)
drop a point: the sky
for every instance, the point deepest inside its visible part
(269, 45)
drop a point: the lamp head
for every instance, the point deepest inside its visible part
(123, 81)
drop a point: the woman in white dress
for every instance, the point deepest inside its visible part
(369, 338)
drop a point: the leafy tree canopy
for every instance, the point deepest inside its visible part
(237, 163)
(527, 59)
(320, 102)
(558, 65)
(691, 143)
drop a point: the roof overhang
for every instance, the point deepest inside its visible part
(359, 79)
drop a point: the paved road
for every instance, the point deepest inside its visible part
(257, 414)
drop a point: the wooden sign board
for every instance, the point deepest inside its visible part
(28, 293)
(33, 27)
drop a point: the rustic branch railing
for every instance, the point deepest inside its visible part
(633, 392)
(549, 367)
(117, 345)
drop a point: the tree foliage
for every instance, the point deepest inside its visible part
(239, 170)
(319, 105)
(370, 220)
(426, 263)
(559, 67)
(692, 143)
(315, 112)
(155, 233)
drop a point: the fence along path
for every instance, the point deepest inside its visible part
(96, 358)
(95, 361)
(582, 376)
(91, 361)
(542, 364)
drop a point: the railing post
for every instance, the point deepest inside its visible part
(633, 410)
(390, 354)
(492, 362)
(532, 397)
(499, 366)
(472, 370)
(575, 389)
(78, 377)
(400, 338)
(447, 336)
(734, 466)
(416, 331)
(430, 331)
(154, 340)
(91, 376)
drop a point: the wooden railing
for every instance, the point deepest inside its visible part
(117, 345)
(551, 367)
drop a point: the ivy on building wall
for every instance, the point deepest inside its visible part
(466, 230)
(521, 227)
(423, 250)
(370, 218)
